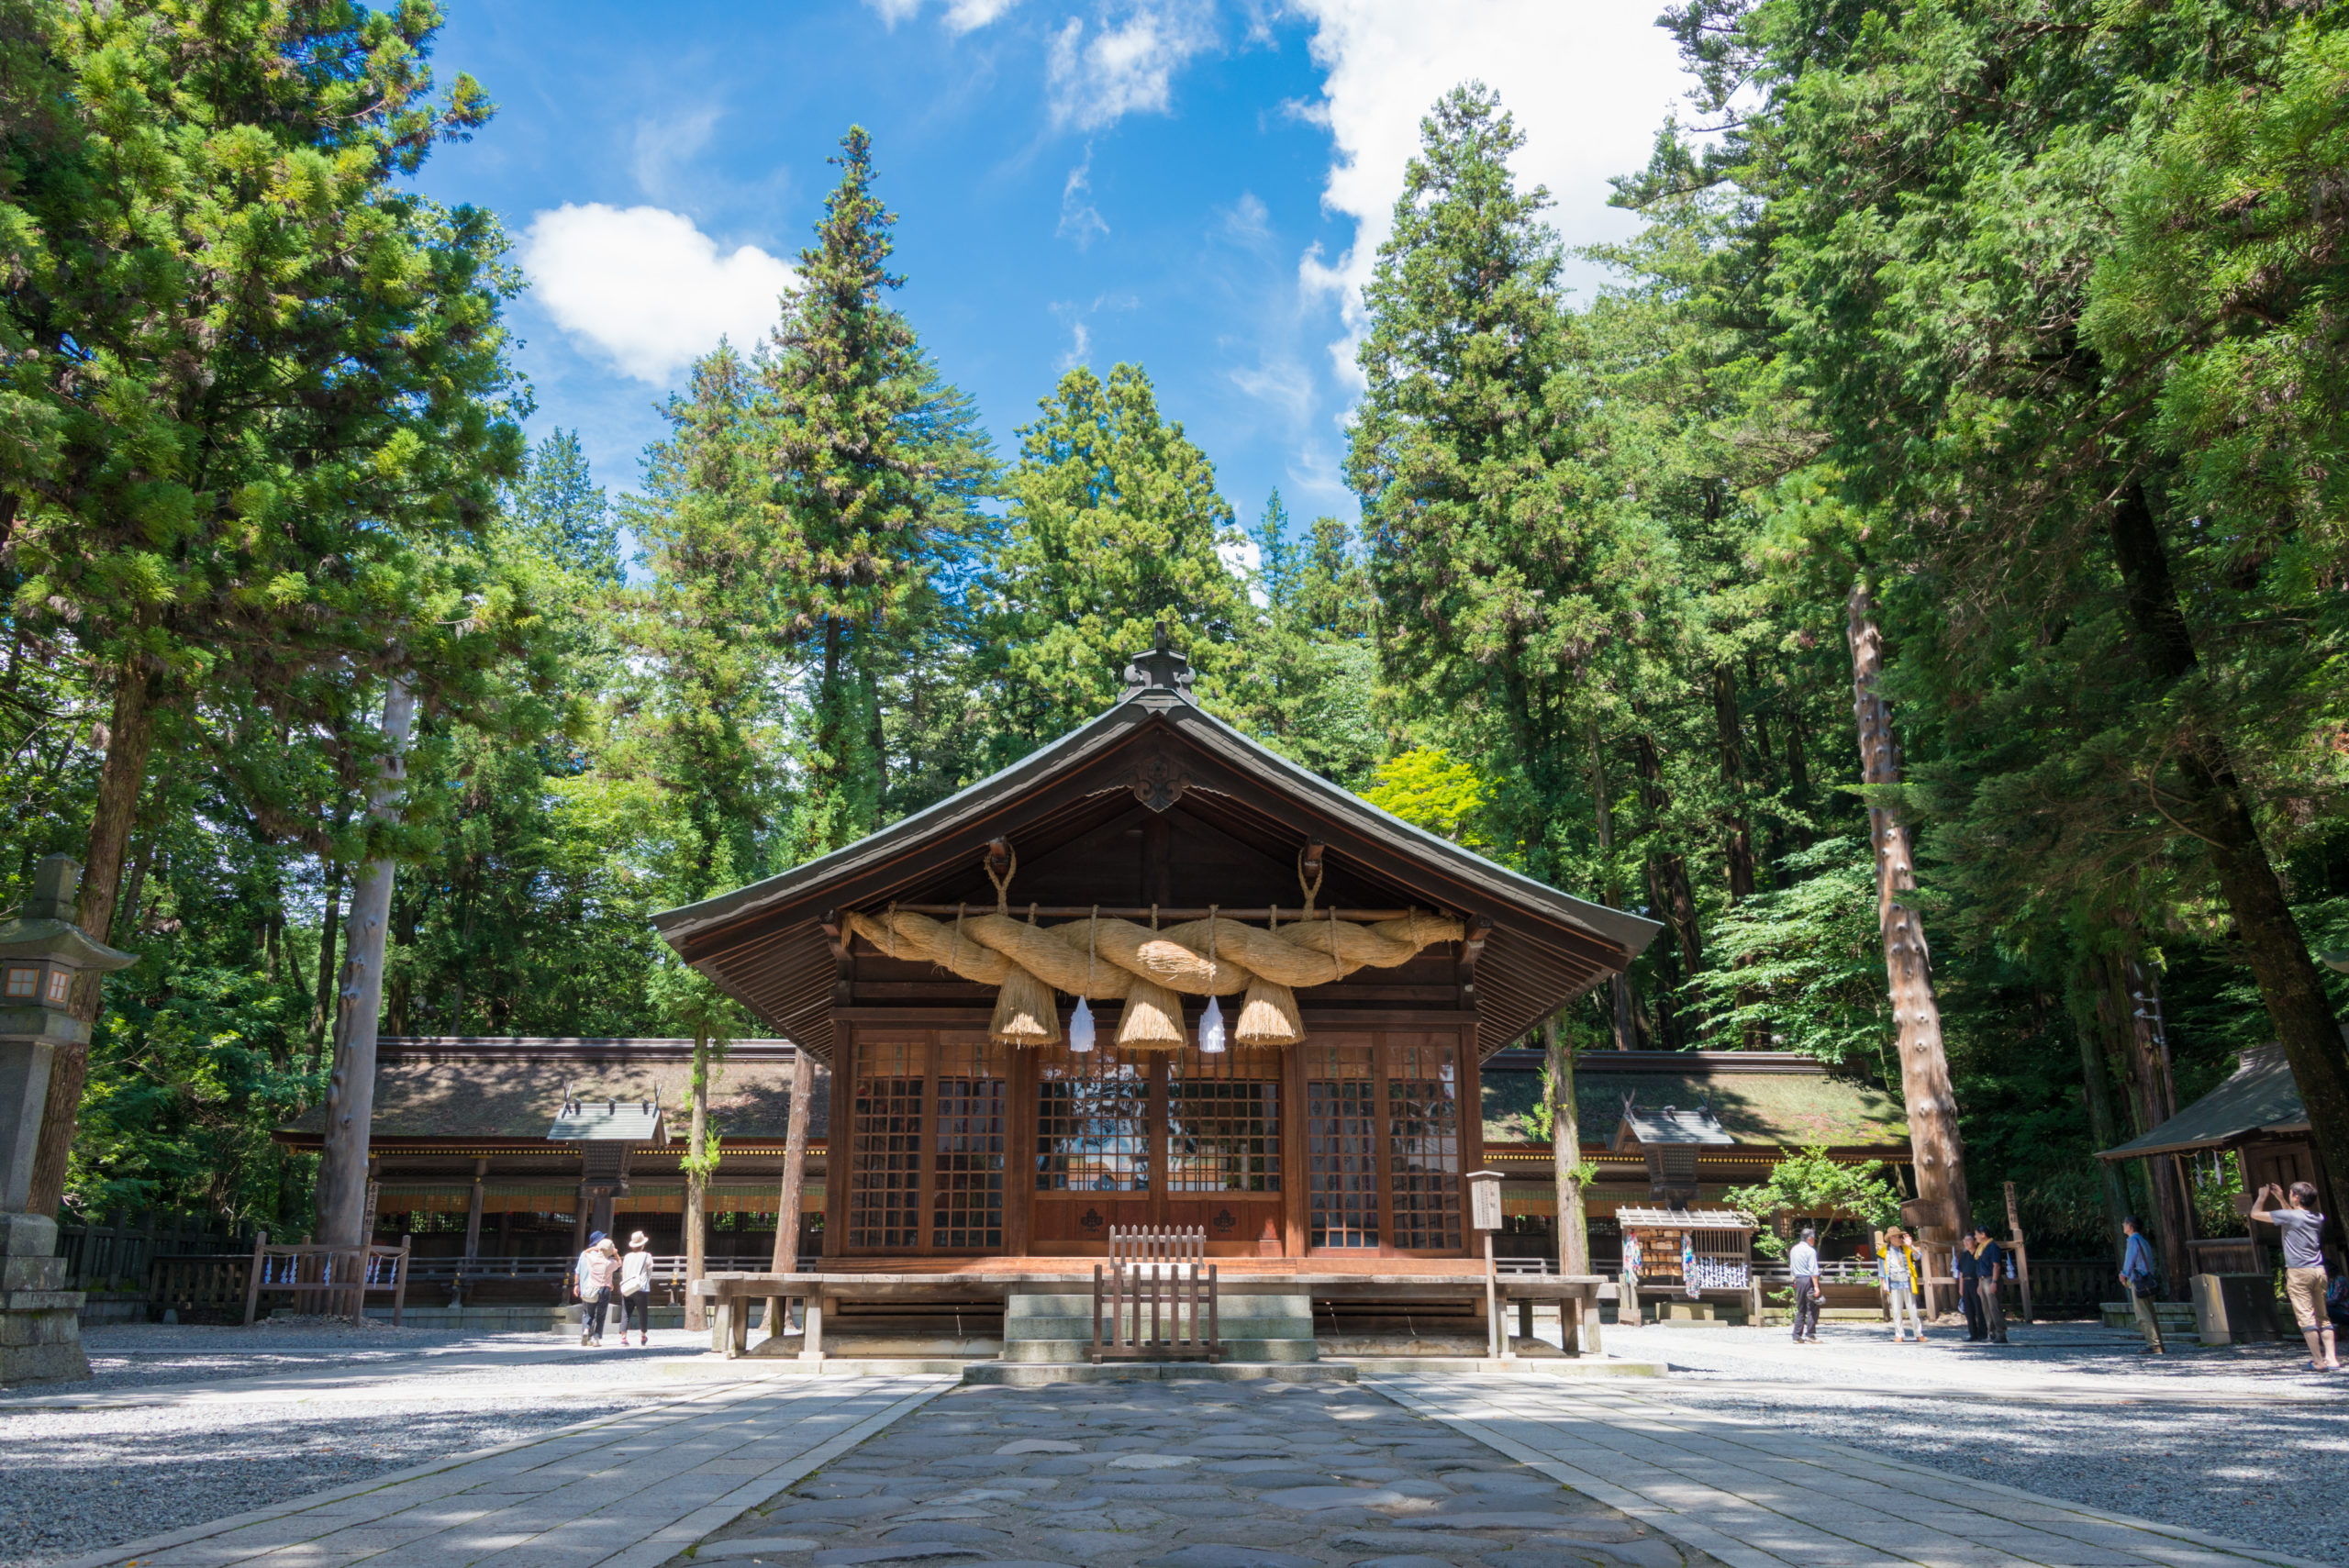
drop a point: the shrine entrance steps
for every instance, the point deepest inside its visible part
(1048, 1337)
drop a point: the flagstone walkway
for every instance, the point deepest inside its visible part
(630, 1491)
(1757, 1495)
(1531, 1473)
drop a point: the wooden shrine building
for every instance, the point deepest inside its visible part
(1287, 995)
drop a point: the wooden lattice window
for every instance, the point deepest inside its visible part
(966, 1181)
(1092, 1123)
(1223, 1116)
(1341, 1146)
(1423, 1146)
(884, 1141)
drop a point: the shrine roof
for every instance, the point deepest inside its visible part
(1761, 1099)
(437, 1088)
(1156, 751)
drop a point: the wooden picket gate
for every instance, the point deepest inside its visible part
(1160, 1270)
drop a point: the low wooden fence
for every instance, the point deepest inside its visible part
(1156, 1269)
(457, 1274)
(117, 1251)
(331, 1280)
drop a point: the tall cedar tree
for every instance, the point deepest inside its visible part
(873, 488)
(1935, 222)
(1116, 528)
(248, 370)
(1505, 585)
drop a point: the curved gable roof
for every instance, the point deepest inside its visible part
(764, 942)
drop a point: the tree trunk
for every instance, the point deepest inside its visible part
(131, 732)
(696, 1148)
(2136, 1008)
(1932, 1103)
(795, 1163)
(1566, 1153)
(2215, 808)
(329, 922)
(2097, 1088)
(1627, 1029)
(1737, 832)
(343, 1219)
(1674, 901)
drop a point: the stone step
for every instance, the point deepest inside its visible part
(1230, 1304)
(1226, 1325)
(1035, 1375)
(1038, 1352)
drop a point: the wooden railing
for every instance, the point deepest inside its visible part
(668, 1273)
(335, 1280)
(1156, 1269)
(118, 1250)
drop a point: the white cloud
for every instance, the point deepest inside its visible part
(663, 146)
(1281, 382)
(962, 15)
(1126, 63)
(1588, 82)
(1080, 219)
(1249, 220)
(646, 289)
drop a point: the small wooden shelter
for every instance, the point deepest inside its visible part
(1159, 877)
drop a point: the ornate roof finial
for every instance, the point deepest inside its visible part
(1159, 676)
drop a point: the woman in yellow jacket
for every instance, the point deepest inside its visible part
(1901, 1281)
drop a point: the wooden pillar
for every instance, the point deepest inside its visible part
(840, 1166)
(1297, 1175)
(1019, 1156)
(472, 1212)
(1468, 1080)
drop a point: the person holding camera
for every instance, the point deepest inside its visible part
(2295, 1217)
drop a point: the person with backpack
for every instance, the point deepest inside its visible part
(636, 1290)
(592, 1280)
(1968, 1272)
(2141, 1280)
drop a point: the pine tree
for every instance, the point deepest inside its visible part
(1116, 528)
(559, 509)
(877, 467)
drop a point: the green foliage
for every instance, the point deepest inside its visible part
(1809, 966)
(1426, 788)
(1809, 1184)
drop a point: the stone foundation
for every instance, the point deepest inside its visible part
(41, 1325)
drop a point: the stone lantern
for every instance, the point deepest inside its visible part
(42, 950)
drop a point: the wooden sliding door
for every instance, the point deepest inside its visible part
(928, 1143)
(1387, 1132)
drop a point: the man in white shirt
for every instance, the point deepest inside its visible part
(1803, 1263)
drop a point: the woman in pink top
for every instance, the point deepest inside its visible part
(599, 1270)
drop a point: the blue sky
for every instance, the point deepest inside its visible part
(1194, 186)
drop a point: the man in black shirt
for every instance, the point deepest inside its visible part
(1989, 1266)
(1968, 1298)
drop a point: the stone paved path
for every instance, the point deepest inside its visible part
(630, 1491)
(1398, 1472)
(1755, 1495)
(1184, 1473)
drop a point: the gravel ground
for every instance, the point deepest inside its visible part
(77, 1481)
(2245, 1442)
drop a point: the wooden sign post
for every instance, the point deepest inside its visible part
(1485, 1215)
(2021, 1252)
